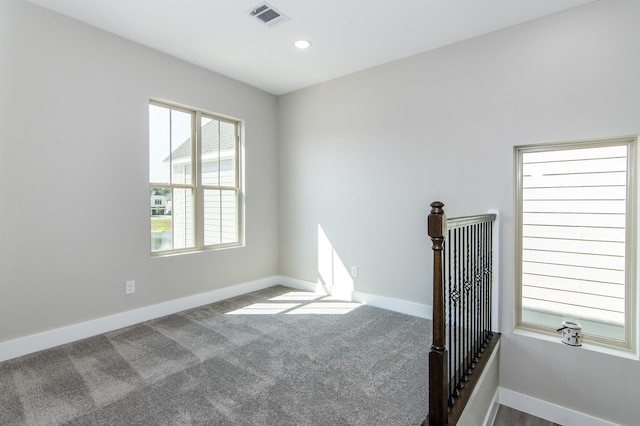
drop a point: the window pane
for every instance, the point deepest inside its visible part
(229, 218)
(227, 154)
(212, 229)
(218, 152)
(181, 146)
(169, 145)
(161, 222)
(210, 150)
(159, 144)
(220, 217)
(182, 213)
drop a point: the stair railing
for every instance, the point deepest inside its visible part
(462, 315)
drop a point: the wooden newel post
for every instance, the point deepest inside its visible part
(438, 369)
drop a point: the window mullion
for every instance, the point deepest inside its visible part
(219, 184)
(198, 192)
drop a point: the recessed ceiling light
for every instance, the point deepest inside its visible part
(302, 44)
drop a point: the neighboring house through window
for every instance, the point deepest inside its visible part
(194, 170)
(576, 239)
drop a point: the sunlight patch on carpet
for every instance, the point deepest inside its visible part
(297, 296)
(326, 308)
(264, 309)
(299, 303)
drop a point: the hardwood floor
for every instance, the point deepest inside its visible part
(511, 417)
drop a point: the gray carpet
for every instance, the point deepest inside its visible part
(273, 357)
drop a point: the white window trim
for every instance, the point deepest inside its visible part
(628, 348)
(198, 187)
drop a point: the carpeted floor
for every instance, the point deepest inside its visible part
(274, 357)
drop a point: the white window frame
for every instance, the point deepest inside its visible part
(630, 342)
(197, 185)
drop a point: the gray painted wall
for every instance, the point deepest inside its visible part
(362, 156)
(74, 173)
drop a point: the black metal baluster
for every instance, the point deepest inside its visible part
(450, 290)
(484, 306)
(479, 289)
(467, 287)
(487, 280)
(474, 295)
(459, 331)
(472, 280)
(452, 311)
(471, 308)
(490, 277)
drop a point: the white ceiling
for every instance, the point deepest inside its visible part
(346, 35)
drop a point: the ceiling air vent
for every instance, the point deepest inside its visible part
(267, 14)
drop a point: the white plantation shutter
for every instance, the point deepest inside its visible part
(574, 210)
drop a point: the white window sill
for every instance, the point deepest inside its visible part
(585, 346)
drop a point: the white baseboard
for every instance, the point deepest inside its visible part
(36, 342)
(396, 305)
(301, 284)
(493, 409)
(547, 410)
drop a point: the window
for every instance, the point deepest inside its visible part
(194, 179)
(576, 240)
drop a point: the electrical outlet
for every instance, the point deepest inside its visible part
(130, 287)
(354, 271)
